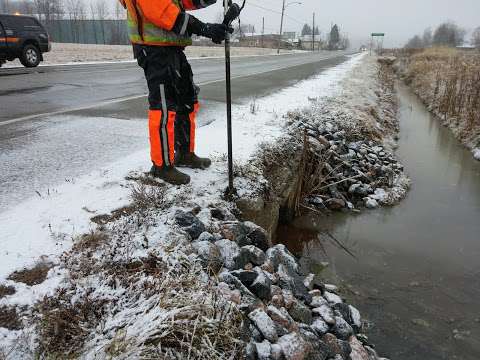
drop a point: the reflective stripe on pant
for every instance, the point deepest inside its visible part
(171, 92)
(162, 137)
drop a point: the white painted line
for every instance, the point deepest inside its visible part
(134, 97)
(109, 62)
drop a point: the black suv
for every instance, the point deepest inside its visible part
(22, 37)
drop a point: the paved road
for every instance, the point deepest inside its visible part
(25, 92)
(59, 123)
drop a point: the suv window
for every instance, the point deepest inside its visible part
(20, 23)
(28, 23)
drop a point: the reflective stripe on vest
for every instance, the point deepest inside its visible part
(152, 34)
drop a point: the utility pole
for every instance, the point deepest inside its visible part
(263, 31)
(313, 33)
(281, 28)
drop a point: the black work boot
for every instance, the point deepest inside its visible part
(192, 161)
(170, 174)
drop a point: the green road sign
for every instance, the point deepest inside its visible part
(378, 34)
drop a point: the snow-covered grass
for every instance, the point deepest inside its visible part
(133, 301)
(67, 54)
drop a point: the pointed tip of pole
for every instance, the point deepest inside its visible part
(230, 194)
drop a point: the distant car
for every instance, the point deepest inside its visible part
(23, 38)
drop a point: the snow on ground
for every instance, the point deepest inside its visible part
(46, 224)
(68, 54)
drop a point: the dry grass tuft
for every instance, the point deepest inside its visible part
(64, 324)
(9, 318)
(6, 291)
(147, 197)
(34, 276)
(91, 241)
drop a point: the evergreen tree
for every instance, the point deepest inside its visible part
(307, 30)
(334, 38)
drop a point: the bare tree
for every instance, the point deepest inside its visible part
(102, 13)
(117, 26)
(476, 38)
(427, 38)
(77, 12)
(448, 34)
(415, 43)
(48, 10)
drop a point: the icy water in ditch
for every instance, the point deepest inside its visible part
(416, 278)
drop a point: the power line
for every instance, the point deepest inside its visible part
(277, 12)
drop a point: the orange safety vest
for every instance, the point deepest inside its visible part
(150, 22)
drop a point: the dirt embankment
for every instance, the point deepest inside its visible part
(338, 155)
(448, 82)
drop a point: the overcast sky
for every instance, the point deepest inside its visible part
(399, 19)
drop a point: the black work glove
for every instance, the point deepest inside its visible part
(216, 32)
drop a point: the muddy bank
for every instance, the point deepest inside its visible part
(338, 155)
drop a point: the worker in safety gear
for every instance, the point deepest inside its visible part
(159, 31)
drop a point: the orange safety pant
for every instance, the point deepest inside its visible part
(173, 99)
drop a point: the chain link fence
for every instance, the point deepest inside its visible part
(111, 32)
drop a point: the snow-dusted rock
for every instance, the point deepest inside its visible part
(326, 313)
(251, 351)
(261, 285)
(355, 316)
(332, 298)
(320, 326)
(280, 255)
(318, 301)
(300, 312)
(255, 255)
(276, 353)
(247, 277)
(290, 280)
(476, 154)
(281, 317)
(358, 351)
(208, 253)
(371, 203)
(309, 281)
(331, 288)
(264, 350)
(294, 347)
(337, 346)
(265, 324)
(189, 223)
(257, 235)
(342, 329)
(229, 251)
(206, 236)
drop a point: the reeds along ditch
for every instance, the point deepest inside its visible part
(448, 80)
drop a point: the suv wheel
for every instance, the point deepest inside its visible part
(30, 56)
